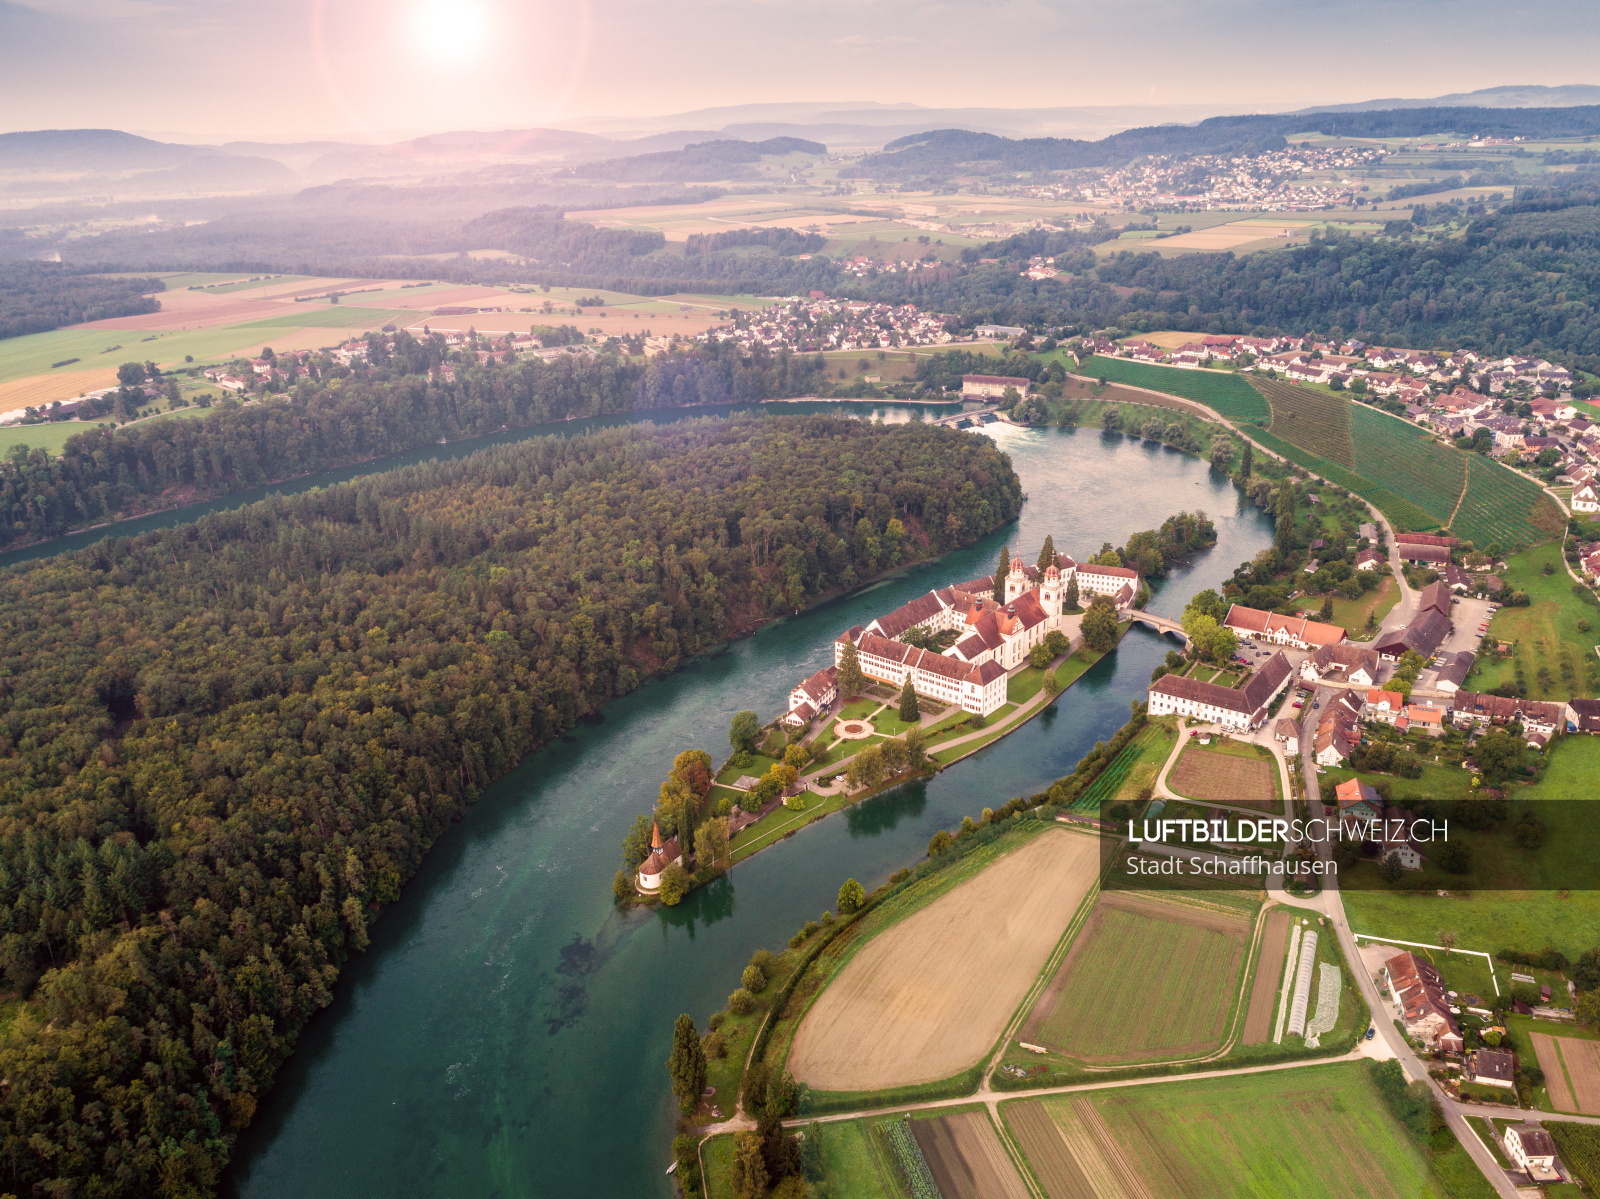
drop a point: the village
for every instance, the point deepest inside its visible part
(821, 324)
(1518, 407)
(1202, 183)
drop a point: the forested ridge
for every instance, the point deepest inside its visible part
(225, 745)
(36, 297)
(401, 405)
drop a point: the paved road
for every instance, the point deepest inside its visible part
(1513, 1113)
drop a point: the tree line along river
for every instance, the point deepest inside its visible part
(505, 1034)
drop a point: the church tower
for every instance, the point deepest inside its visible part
(1050, 594)
(1016, 581)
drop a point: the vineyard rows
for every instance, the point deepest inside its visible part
(1503, 506)
(1405, 516)
(1407, 461)
(1314, 420)
(1225, 392)
(1110, 779)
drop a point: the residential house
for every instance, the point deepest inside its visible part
(1239, 708)
(1533, 1151)
(813, 695)
(1493, 1068)
(1343, 665)
(1384, 705)
(1422, 716)
(1371, 560)
(1585, 498)
(1288, 732)
(1583, 716)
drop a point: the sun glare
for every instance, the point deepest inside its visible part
(451, 32)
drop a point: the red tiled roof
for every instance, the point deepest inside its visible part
(1255, 620)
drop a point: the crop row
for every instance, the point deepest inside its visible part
(1110, 780)
(1503, 507)
(1407, 461)
(1223, 391)
(909, 1155)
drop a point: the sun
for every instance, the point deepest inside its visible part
(451, 32)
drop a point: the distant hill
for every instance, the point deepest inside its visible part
(1523, 95)
(941, 153)
(701, 162)
(91, 150)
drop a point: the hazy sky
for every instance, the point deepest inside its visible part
(347, 68)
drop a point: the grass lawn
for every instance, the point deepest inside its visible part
(1511, 900)
(1553, 657)
(1025, 684)
(783, 821)
(759, 765)
(837, 751)
(1238, 1136)
(1354, 614)
(52, 438)
(859, 709)
(888, 722)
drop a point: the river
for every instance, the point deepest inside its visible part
(505, 1034)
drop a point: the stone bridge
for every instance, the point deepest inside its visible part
(1159, 623)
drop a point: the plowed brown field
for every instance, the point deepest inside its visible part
(924, 999)
(1269, 971)
(1555, 1078)
(967, 1159)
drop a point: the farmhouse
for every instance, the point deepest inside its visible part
(992, 387)
(1430, 554)
(1424, 1006)
(1455, 672)
(1585, 499)
(1427, 539)
(1531, 1149)
(1436, 598)
(1297, 631)
(1288, 732)
(1242, 708)
(662, 854)
(1341, 666)
(1583, 716)
(1370, 560)
(1424, 634)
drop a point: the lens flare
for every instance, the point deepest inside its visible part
(450, 32)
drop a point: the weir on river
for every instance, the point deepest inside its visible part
(506, 1033)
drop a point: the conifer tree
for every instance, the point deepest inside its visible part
(1284, 540)
(1247, 463)
(687, 1065)
(851, 681)
(1069, 598)
(1047, 555)
(908, 702)
(1000, 574)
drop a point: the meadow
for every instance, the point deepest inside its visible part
(1553, 653)
(1320, 1132)
(1107, 1006)
(1515, 899)
(1222, 391)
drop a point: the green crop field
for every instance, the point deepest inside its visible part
(1147, 980)
(1152, 745)
(1223, 391)
(1407, 461)
(1320, 1132)
(1314, 420)
(1505, 507)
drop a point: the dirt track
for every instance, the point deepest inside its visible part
(926, 998)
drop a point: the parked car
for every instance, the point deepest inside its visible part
(1299, 703)
(1372, 1031)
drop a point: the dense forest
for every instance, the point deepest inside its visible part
(399, 406)
(36, 297)
(224, 746)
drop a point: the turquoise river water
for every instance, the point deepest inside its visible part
(505, 1034)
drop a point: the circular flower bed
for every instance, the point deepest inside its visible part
(854, 730)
